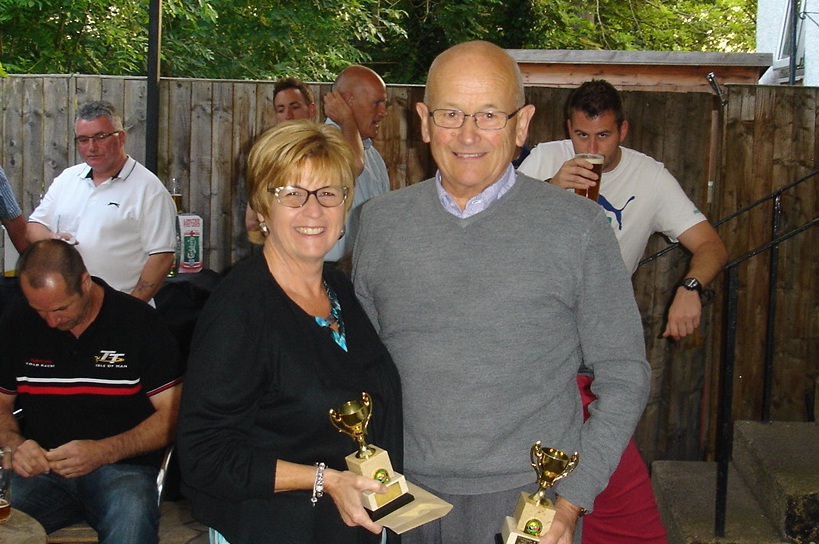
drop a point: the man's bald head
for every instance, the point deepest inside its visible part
(477, 56)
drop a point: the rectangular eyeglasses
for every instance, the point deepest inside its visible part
(291, 196)
(99, 137)
(484, 120)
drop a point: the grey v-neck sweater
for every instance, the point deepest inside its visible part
(488, 319)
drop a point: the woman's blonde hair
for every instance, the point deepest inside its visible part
(283, 153)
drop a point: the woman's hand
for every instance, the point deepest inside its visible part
(345, 488)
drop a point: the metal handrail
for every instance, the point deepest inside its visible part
(775, 194)
(725, 411)
(725, 415)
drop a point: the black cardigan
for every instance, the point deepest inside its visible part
(262, 377)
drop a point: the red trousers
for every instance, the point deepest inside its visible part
(626, 511)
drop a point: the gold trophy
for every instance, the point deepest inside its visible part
(351, 418)
(534, 513)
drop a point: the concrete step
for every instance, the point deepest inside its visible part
(780, 462)
(686, 491)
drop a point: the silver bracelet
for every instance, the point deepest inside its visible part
(318, 483)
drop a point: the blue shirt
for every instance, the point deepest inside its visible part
(9, 209)
(373, 181)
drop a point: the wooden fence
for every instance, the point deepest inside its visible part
(762, 140)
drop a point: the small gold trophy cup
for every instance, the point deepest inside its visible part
(351, 418)
(534, 513)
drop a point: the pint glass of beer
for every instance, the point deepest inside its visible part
(5, 482)
(597, 168)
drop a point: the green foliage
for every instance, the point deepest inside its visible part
(311, 39)
(314, 39)
(679, 25)
(87, 36)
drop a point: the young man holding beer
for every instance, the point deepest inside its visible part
(640, 197)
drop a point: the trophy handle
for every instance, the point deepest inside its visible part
(337, 420)
(367, 401)
(535, 454)
(573, 460)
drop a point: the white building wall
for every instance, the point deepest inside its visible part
(769, 34)
(812, 47)
(769, 15)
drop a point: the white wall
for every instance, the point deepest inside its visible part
(770, 22)
(769, 16)
(812, 47)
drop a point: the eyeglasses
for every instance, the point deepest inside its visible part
(484, 120)
(296, 197)
(85, 140)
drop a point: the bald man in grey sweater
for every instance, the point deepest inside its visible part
(489, 288)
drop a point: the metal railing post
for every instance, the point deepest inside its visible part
(724, 426)
(773, 277)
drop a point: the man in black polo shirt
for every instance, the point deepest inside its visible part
(98, 378)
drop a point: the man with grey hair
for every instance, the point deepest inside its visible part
(489, 288)
(117, 212)
(365, 93)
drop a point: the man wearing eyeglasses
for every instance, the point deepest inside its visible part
(117, 212)
(489, 288)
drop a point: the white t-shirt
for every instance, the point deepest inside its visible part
(640, 196)
(119, 223)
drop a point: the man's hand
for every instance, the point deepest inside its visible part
(30, 460)
(564, 523)
(575, 173)
(684, 314)
(708, 256)
(77, 458)
(337, 109)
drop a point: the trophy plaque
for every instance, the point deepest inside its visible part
(534, 513)
(351, 418)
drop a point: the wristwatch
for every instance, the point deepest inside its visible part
(692, 284)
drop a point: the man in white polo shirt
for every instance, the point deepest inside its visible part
(117, 212)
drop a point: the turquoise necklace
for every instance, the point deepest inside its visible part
(333, 319)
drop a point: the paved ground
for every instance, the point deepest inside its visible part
(178, 527)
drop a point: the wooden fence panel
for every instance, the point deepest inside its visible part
(770, 141)
(58, 128)
(201, 160)
(32, 132)
(208, 126)
(12, 132)
(222, 172)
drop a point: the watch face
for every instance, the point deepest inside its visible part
(692, 284)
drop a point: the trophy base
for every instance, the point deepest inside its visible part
(510, 535)
(396, 488)
(391, 507)
(377, 466)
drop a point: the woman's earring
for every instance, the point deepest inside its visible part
(263, 228)
(343, 232)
